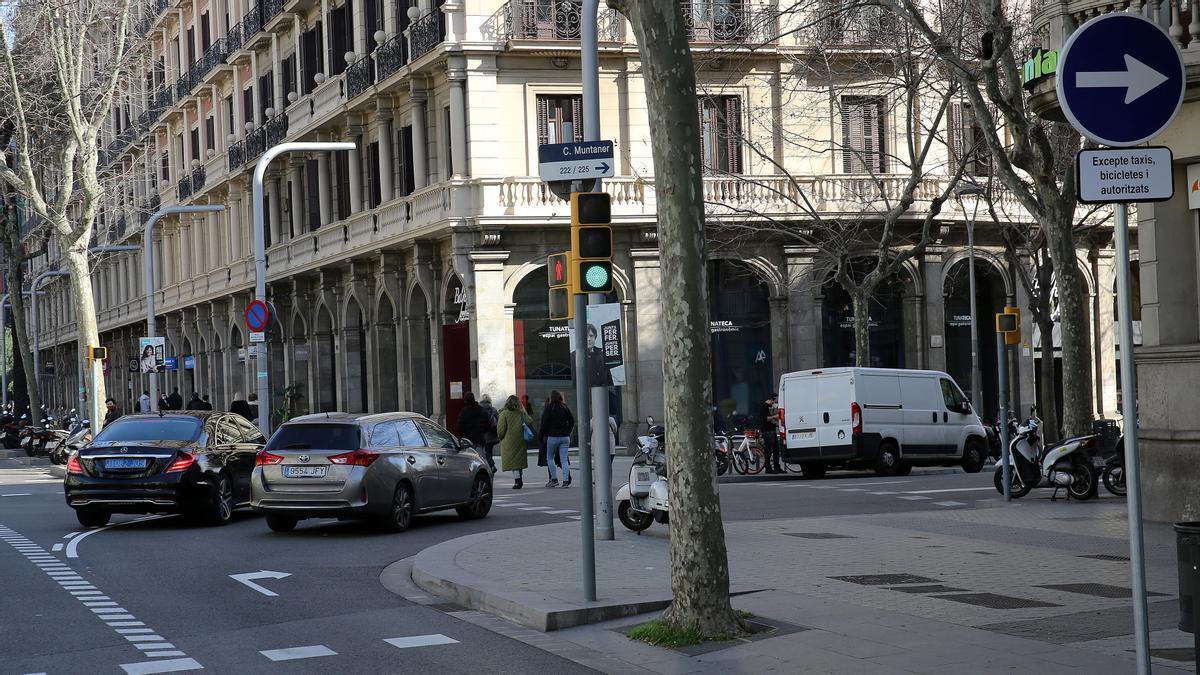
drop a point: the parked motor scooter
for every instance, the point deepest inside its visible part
(79, 435)
(10, 429)
(1113, 475)
(643, 500)
(1064, 465)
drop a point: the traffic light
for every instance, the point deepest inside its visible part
(591, 243)
(557, 277)
(97, 353)
(1008, 322)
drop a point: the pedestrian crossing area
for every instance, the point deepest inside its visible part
(949, 498)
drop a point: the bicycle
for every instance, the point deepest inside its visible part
(748, 457)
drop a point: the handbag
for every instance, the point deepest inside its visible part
(527, 431)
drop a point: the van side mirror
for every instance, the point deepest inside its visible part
(965, 408)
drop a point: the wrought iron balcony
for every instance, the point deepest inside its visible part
(270, 133)
(391, 55)
(557, 20)
(252, 22)
(236, 155)
(183, 87)
(154, 9)
(359, 77)
(183, 188)
(195, 73)
(198, 176)
(270, 10)
(865, 26)
(234, 39)
(731, 21)
(427, 33)
(214, 56)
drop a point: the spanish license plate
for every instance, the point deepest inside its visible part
(804, 435)
(304, 471)
(125, 463)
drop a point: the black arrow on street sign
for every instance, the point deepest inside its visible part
(603, 167)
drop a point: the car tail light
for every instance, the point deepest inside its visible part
(264, 458)
(782, 424)
(856, 417)
(182, 463)
(356, 458)
(73, 465)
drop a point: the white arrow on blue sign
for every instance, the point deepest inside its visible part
(1120, 79)
(575, 161)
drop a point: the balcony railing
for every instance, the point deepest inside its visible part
(236, 155)
(183, 188)
(234, 38)
(270, 10)
(359, 77)
(154, 9)
(427, 33)
(183, 87)
(271, 133)
(557, 20)
(391, 55)
(252, 22)
(730, 22)
(214, 56)
(868, 25)
(198, 176)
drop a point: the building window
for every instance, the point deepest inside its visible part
(967, 143)
(229, 113)
(559, 119)
(863, 127)
(210, 131)
(289, 77)
(721, 133)
(404, 171)
(195, 139)
(266, 94)
(341, 162)
(338, 39)
(248, 104)
(312, 192)
(164, 163)
(312, 58)
(715, 20)
(449, 141)
(374, 193)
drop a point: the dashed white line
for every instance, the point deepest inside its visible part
(131, 631)
(57, 547)
(292, 653)
(151, 667)
(420, 641)
(950, 503)
(912, 498)
(534, 508)
(18, 494)
(151, 646)
(166, 653)
(560, 512)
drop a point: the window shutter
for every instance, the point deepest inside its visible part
(733, 132)
(851, 136)
(956, 135)
(870, 143)
(312, 192)
(880, 136)
(577, 118)
(704, 139)
(543, 120)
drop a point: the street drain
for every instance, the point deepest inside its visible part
(1097, 590)
(887, 579)
(1107, 556)
(994, 601)
(935, 588)
(819, 535)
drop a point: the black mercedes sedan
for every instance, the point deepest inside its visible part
(193, 462)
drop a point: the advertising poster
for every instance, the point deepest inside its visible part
(605, 348)
(151, 357)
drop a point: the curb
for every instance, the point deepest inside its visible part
(434, 571)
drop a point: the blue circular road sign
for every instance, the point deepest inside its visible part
(1120, 79)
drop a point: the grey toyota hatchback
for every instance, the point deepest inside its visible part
(388, 467)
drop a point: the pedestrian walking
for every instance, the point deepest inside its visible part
(490, 439)
(557, 422)
(473, 422)
(253, 402)
(767, 424)
(240, 407)
(195, 402)
(207, 403)
(175, 399)
(164, 402)
(113, 414)
(515, 429)
(144, 402)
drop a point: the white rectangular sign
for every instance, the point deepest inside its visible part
(257, 337)
(1123, 176)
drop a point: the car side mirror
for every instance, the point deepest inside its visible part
(465, 444)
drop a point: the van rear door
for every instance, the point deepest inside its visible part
(835, 393)
(798, 398)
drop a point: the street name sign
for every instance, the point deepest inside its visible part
(1120, 79)
(575, 161)
(1125, 175)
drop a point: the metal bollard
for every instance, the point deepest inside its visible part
(1187, 548)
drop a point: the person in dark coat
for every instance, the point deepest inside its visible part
(473, 422)
(241, 407)
(113, 414)
(195, 402)
(767, 423)
(164, 403)
(491, 439)
(175, 399)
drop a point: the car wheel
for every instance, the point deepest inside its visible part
(480, 502)
(92, 517)
(631, 519)
(401, 513)
(813, 470)
(220, 505)
(973, 457)
(888, 461)
(279, 523)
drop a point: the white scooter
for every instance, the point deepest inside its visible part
(643, 500)
(1064, 465)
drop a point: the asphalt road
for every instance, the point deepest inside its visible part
(156, 594)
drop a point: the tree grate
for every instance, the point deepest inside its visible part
(819, 535)
(934, 588)
(887, 579)
(994, 601)
(1107, 556)
(1097, 590)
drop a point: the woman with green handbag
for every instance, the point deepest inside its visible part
(515, 430)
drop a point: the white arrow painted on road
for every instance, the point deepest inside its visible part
(1138, 79)
(262, 574)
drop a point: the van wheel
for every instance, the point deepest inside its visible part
(813, 470)
(904, 469)
(888, 461)
(973, 457)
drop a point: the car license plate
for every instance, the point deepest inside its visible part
(304, 472)
(804, 435)
(125, 463)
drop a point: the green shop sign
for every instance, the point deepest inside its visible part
(1041, 64)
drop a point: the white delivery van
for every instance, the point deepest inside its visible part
(881, 418)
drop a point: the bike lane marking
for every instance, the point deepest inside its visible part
(73, 544)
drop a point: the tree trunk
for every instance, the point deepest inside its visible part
(20, 344)
(862, 328)
(699, 563)
(1074, 327)
(1049, 409)
(75, 262)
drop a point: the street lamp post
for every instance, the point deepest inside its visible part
(148, 246)
(4, 345)
(260, 259)
(968, 200)
(33, 287)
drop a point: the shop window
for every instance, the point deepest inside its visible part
(740, 328)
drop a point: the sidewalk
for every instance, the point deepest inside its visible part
(1032, 587)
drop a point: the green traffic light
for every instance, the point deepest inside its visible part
(596, 276)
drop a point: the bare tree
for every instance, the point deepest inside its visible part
(15, 258)
(63, 61)
(699, 563)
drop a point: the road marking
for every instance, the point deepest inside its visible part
(150, 667)
(110, 610)
(534, 508)
(102, 603)
(73, 545)
(881, 493)
(245, 578)
(166, 653)
(420, 641)
(143, 638)
(57, 547)
(117, 616)
(123, 623)
(575, 517)
(131, 631)
(292, 653)
(950, 503)
(913, 498)
(878, 482)
(69, 535)
(560, 512)
(929, 492)
(852, 490)
(512, 504)
(18, 494)
(88, 593)
(150, 646)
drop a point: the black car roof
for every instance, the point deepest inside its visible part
(198, 414)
